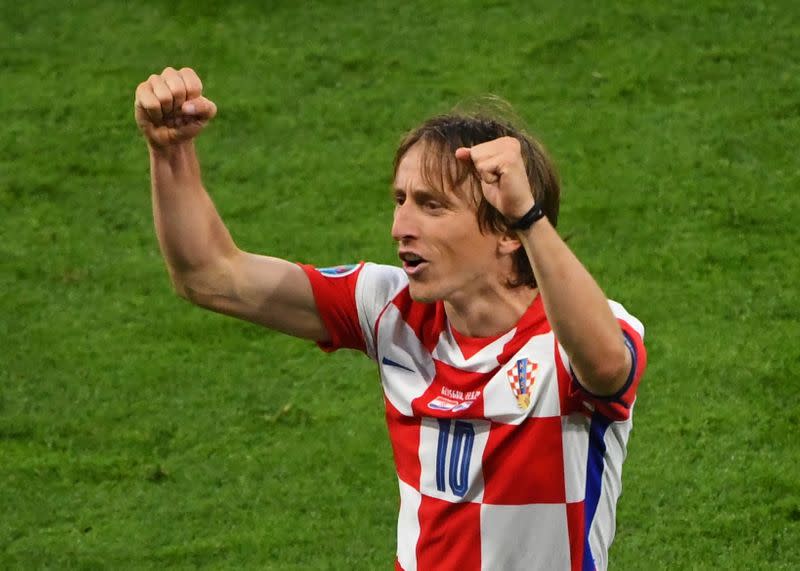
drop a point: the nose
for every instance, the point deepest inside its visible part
(404, 225)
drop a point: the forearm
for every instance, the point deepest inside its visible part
(577, 310)
(190, 232)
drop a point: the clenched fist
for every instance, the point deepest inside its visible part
(170, 107)
(503, 178)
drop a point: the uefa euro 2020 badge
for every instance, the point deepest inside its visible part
(339, 271)
(521, 378)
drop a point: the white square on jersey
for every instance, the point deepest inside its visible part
(537, 533)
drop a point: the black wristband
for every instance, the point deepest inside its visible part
(531, 216)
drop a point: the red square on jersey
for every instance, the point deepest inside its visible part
(404, 435)
(577, 533)
(450, 535)
(513, 477)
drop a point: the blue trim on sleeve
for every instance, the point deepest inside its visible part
(595, 463)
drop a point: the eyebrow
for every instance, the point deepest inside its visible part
(423, 193)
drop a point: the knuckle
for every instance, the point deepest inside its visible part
(176, 86)
(193, 86)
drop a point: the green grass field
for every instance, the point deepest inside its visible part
(137, 431)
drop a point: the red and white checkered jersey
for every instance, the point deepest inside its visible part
(504, 461)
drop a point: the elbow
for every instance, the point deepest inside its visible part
(618, 366)
(211, 286)
(191, 287)
(181, 287)
(196, 293)
(615, 377)
(181, 290)
(608, 375)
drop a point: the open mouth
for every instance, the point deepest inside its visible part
(412, 263)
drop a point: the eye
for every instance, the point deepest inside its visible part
(399, 198)
(432, 205)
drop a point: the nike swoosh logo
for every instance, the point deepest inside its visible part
(387, 361)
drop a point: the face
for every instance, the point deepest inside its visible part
(442, 249)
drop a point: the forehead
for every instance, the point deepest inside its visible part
(409, 170)
(434, 168)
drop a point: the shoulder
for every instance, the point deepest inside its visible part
(626, 317)
(350, 299)
(362, 277)
(378, 284)
(381, 275)
(377, 287)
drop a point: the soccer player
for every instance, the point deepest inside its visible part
(509, 379)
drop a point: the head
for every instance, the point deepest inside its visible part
(441, 212)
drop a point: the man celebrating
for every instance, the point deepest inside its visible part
(509, 378)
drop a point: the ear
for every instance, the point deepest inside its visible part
(507, 244)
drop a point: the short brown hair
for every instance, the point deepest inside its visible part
(442, 172)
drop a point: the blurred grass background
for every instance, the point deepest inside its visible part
(139, 432)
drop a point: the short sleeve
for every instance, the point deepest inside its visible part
(618, 406)
(350, 299)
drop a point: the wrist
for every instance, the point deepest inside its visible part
(528, 219)
(168, 148)
(170, 152)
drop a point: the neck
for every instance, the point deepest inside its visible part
(490, 313)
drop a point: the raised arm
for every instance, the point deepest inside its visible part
(575, 305)
(204, 263)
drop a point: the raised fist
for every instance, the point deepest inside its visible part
(170, 107)
(504, 180)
